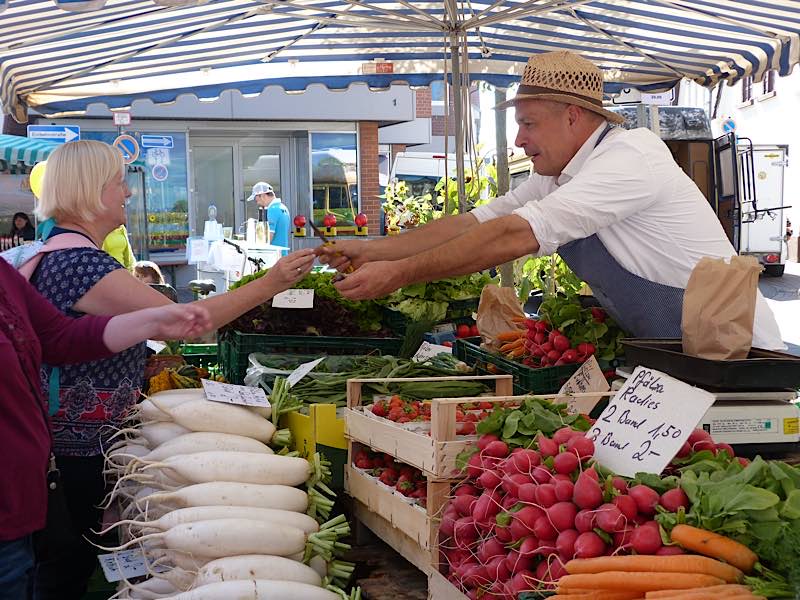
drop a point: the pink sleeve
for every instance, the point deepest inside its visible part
(63, 339)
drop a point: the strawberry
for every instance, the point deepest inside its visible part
(379, 409)
(404, 485)
(388, 477)
(395, 413)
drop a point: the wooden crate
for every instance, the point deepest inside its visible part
(435, 454)
(441, 589)
(410, 530)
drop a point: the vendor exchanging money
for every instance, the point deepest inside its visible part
(612, 202)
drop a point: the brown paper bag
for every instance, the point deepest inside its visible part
(719, 308)
(499, 310)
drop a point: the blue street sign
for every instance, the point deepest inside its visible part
(157, 141)
(728, 125)
(54, 133)
(128, 146)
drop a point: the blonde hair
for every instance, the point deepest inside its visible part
(149, 269)
(74, 178)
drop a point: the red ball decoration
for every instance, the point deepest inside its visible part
(300, 221)
(361, 219)
(329, 220)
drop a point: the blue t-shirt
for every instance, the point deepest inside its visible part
(278, 219)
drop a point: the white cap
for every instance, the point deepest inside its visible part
(262, 187)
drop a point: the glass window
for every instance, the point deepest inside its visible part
(334, 174)
(163, 194)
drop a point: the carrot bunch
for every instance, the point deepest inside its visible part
(669, 577)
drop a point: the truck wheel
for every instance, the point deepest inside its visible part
(774, 270)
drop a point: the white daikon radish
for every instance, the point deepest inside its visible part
(172, 398)
(202, 415)
(182, 560)
(258, 589)
(230, 493)
(318, 564)
(204, 441)
(179, 578)
(149, 589)
(207, 513)
(122, 455)
(256, 566)
(160, 433)
(242, 467)
(228, 537)
(148, 412)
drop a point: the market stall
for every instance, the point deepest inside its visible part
(559, 459)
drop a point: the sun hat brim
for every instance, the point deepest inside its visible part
(566, 99)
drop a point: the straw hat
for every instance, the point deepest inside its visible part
(563, 77)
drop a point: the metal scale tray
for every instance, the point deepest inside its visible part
(761, 371)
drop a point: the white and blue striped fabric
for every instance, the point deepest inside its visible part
(60, 61)
(21, 150)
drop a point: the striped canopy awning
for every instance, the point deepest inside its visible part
(61, 61)
(21, 150)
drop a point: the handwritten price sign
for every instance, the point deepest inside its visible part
(234, 394)
(646, 422)
(589, 378)
(294, 299)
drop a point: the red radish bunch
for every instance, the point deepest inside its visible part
(465, 331)
(521, 515)
(545, 346)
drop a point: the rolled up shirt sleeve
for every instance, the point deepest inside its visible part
(610, 187)
(505, 205)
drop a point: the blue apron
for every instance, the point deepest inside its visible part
(643, 308)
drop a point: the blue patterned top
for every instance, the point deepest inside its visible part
(94, 394)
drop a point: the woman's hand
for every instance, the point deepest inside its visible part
(290, 269)
(179, 321)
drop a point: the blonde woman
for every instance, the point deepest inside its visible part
(84, 190)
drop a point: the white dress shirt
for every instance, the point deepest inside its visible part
(648, 213)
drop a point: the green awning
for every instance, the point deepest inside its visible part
(15, 149)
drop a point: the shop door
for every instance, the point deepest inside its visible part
(225, 171)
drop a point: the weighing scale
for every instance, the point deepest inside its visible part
(753, 422)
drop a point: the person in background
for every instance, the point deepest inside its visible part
(32, 331)
(22, 228)
(118, 245)
(272, 210)
(85, 191)
(148, 272)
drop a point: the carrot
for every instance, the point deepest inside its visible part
(714, 545)
(637, 582)
(518, 343)
(509, 336)
(596, 595)
(517, 352)
(681, 563)
(677, 595)
(715, 589)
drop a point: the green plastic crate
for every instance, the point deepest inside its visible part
(235, 348)
(204, 356)
(547, 380)
(459, 312)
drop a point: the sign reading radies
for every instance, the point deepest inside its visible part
(646, 422)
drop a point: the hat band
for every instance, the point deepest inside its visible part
(536, 90)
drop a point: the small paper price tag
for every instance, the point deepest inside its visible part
(294, 299)
(234, 394)
(125, 565)
(156, 346)
(428, 350)
(589, 378)
(302, 371)
(646, 422)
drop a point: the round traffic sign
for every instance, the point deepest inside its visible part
(160, 173)
(729, 125)
(128, 146)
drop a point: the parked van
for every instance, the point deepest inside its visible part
(335, 189)
(422, 171)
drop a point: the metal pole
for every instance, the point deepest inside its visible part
(458, 101)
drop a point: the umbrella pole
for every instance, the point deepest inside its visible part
(458, 103)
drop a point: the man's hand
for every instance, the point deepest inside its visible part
(373, 280)
(343, 254)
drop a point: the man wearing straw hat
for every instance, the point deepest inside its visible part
(612, 202)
